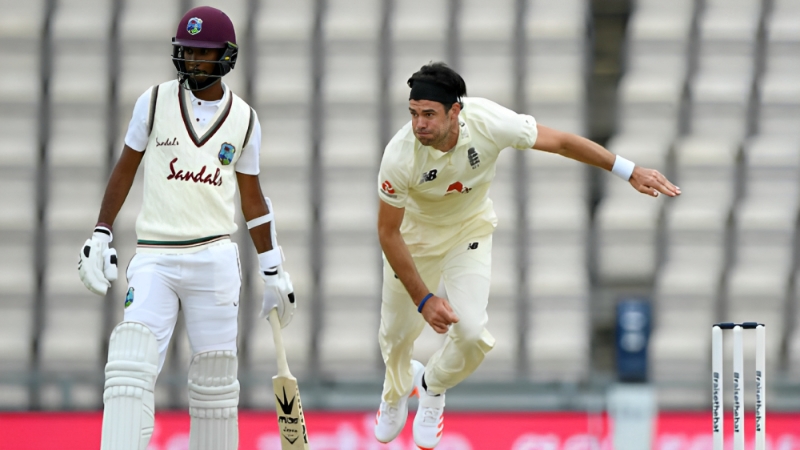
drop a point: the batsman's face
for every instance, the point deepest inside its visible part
(432, 125)
(200, 61)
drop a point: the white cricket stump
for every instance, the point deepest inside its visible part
(717, 391)
(738, 389)
(717, 380)
(761, 393)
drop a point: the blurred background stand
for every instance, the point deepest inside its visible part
(632, 402)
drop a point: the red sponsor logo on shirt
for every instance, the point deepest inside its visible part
(387, 187)
(199, 177)
(457, 187)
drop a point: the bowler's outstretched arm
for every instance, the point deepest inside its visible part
(646, 181)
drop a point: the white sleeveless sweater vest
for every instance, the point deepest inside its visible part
(189, 176)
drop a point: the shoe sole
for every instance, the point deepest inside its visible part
(441, 431)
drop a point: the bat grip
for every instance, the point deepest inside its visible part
(280, 350)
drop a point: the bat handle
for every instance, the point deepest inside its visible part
(280, 350)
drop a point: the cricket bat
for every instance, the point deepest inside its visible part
(291, 423)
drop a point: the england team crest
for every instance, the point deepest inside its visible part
(226, 153)
(194, 26)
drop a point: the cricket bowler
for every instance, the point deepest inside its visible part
(435, 224)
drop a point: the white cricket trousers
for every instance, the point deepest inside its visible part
(205, 285)
(465, 273)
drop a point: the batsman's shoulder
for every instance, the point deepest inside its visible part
(239, 99)
(166, 86)
(172, 82)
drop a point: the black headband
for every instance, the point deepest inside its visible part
(429, 90)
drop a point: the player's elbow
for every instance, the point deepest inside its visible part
(551, 140)
(387, 231)
(389, 235)
(389, 221)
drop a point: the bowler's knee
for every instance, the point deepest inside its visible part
(473, 334)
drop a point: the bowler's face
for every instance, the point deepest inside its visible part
(429, 121)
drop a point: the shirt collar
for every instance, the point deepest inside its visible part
(225, 95)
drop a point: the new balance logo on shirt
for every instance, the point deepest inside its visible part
(428, 176)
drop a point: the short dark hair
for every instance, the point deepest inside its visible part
(440, 73)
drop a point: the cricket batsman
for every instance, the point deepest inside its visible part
(198, 141)
(435, 224)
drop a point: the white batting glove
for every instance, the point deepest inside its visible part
(278, 293)
(98, 263)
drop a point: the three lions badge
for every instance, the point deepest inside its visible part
(226, 153)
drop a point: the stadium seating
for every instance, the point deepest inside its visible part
(557, 273)
(20, 40)
(779, 97)
(727, 245)
(696, 227)
(775, 155)
(766, 216)
(557, 213)
(282, 94)
(556, 46)
(627, 223)
(793, 338)
(349, 155)
(71, 339)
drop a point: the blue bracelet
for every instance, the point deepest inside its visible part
(422, 303)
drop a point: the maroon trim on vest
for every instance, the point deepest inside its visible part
(199, 141)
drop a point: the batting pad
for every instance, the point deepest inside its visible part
(131, 374)
(214, 401)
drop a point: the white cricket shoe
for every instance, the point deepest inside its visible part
(391, 419)
(429, 421)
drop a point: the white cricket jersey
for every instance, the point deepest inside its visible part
(446, 194)
(189, 172)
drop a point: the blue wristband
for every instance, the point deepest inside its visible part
(422, 303)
